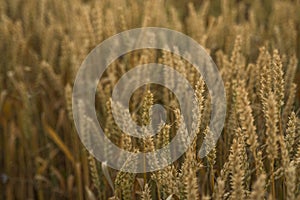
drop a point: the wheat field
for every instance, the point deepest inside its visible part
(256, 47)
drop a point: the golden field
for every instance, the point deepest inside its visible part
(256, 46)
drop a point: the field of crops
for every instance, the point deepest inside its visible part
(256, 47)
